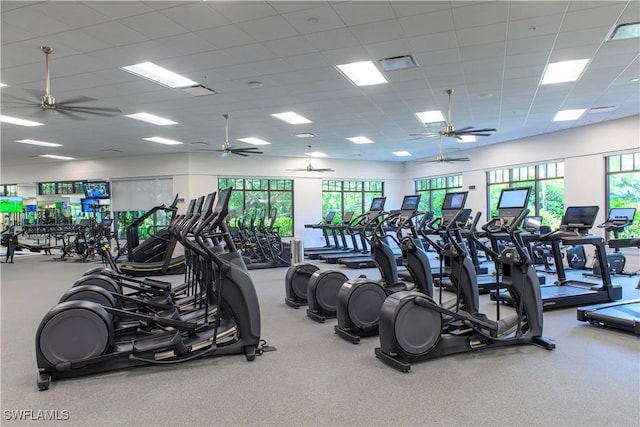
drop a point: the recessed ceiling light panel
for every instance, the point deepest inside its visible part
(564, 71)
(56, 157)
(291, 118)
(363, 73)
(158, 74)
(305, 135)
(150, 118)
(402, 153)
(19, 122)
(317, 154)
(566, 115)
(360, 140)
(40, 143)
(431, 118)
(161, 140)
(254, 141)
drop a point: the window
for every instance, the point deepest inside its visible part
(623, 182)
(349, 196)
(252, 195)
(547, 189)
(65, 187)
(8, 190)
(433, 190)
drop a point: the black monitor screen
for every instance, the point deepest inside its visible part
(454, 201)
(410, 203)
(377, 204)
(622, 214)
(532, 223)
(514, 198)
(96, 190)
(580, 216)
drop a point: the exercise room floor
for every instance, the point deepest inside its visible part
(592, 378)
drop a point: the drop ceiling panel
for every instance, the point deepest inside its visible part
(427, 23)
(269, 28)
(196, 16)
(353, 13)
(314, 20)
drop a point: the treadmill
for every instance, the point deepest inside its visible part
(339, 248)
(402, 218)
(323, 225)
(623, 315)
(574, 229)
(356, 227)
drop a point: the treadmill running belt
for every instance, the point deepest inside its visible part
(623, 312)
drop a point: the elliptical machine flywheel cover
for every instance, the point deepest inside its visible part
(74, 330)
(103, 281)
(325, 285)
(297, 279)
(90, 293)
(364, 304)
(417, 329)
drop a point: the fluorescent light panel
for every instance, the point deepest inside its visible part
(254, 141)
(40, 143)
(150, 118)
(402, 153)
(432, 116)
(566, 115)
(564, 71)
(291, 118)
(360, 140)
(156, 73)
(2, 84)
(363, 73)
(463, 139)
(305, 135)
(19, 122)
(56, 157)
(317, 154)
(161, 140)
(626, 31)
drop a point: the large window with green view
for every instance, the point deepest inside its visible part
(547, 189)
(63, 187)
(433, 190)
(623, 182)
(349, 196)
(253, 196)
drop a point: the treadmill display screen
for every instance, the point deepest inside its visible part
(580, 216)
(622, 214)
(513, 198)
(410, 203)
(454, 201)
(377, 204)
(532, 223)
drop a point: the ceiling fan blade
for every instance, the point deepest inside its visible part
(456, 159)
(473, 131)
(459, 131)
(238, 153)
(16, 99)
(296, 170)
(36, 93)
(82, 110)
(78, 100)
(323, 170)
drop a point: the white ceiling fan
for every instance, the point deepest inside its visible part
(450, 130)
(310, 167)
(47, 103)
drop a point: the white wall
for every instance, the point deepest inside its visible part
(583, 150)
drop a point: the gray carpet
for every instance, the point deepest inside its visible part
(315, 378)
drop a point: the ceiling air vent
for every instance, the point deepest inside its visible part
(198, 90)
(396, 63)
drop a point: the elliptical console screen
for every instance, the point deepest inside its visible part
(513, 198)
(377, 204)
(622, 214)
(580, 216)
(454, 201)
(410, 203)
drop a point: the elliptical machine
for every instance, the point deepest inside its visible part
(413, 327)
(77, 337)
(359, 300)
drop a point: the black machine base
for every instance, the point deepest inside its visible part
(320, 318)
(393, 361)
(347, 335)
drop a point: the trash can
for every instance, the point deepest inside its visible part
(297, 251)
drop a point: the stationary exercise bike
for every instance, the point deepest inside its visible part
(413, 327)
